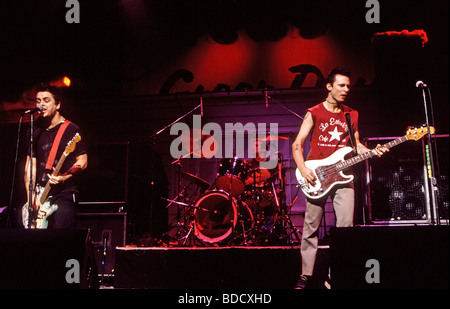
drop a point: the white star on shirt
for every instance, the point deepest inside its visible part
(335, 135)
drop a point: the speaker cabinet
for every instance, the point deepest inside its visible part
(108, 231)
(46, 259)
(396, 188)
(390, 257)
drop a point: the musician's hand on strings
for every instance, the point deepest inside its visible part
(380, 150)
(54, 180)
(308, 175)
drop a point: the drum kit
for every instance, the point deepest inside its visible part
(246, 205)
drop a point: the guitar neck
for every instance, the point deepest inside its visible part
(46, 191)
(367, 155)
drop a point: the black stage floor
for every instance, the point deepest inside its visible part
(376, 257)
(276, 267)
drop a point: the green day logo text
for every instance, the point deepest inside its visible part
(210, 141)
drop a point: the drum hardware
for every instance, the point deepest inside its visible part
(259, 175)
(184, 204)
(283, 228)
(184, 219)
(191, 144)
(188, 231)
(268, 201)
(179, 196)
(245, 206)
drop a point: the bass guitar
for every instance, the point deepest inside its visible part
(38, 218)
(329, 171)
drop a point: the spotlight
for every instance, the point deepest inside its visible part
(61, 82)
(66, 81)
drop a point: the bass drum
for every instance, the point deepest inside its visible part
(217, 216)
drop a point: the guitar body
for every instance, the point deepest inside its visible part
(41, 221)
(329, 171)
(46, 209)
(324, 181)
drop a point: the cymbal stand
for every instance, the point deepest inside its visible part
(284, 221)
(257, 230)
(180, 200)
(188, 235)
(244, 235)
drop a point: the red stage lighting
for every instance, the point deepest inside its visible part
(61, 82)
(66, 81)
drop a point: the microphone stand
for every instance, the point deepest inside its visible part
(429, 170)
(177, 161)
(160, 131)
(11, 208)
(30, 184)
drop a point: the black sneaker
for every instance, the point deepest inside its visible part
(302, 282)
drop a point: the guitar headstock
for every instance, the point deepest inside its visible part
(72, 144)
(414, 133)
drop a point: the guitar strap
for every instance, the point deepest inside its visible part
(351, 132)
(56, 142)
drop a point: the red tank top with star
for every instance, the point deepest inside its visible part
(330, 131)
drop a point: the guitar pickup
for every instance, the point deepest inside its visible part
(320, 174)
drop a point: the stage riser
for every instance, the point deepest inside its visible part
(405, 257)
(207, 268)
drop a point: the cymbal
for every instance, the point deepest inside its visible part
(270, 137)
(194, 143)
(194, 179)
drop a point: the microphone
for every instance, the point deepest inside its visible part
(421, 84)
(33, 110)
(201, 106)
(266, 98)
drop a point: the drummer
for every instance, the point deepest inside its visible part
(258, 191)
(256, 174)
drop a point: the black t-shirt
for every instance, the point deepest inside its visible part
(43, 141)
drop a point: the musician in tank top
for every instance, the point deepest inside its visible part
(326, 123)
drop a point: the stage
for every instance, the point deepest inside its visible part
(369, 257)
(237, 267)
(363, 257)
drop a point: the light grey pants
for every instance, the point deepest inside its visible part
(343, 200)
